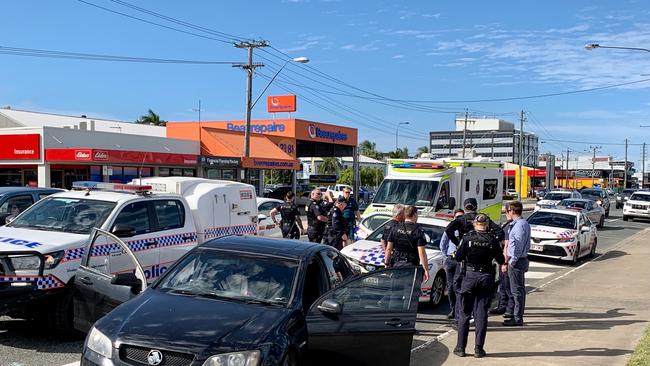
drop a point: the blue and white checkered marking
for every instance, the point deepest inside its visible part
(218, 232)
(42, 282)
(374, 256)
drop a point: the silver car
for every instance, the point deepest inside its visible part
(594, 212)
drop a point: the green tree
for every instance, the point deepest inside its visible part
(369, 149)
(151, 118)
(399, 154)
(282, 177)
(422, 150)
(345, 177)
(371, 177)
(329, 166)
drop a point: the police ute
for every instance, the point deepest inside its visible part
(440, 185)
(159, 219)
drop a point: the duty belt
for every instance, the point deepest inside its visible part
(486, 268)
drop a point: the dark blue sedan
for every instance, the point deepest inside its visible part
(14, 200)
(249, 301)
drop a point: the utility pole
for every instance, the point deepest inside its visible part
(521, 154)
(593, 163)
(493, 132)
(566, 176)
(643, 152)
(465, 133)
(250, 71)
(625, 168)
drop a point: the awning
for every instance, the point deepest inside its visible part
(264, 154)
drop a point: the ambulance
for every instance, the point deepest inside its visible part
(160, 219)
(439, 186)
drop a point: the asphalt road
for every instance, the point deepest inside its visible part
(25, 343)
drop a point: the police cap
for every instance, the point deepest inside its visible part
(481, 219)
(470, 204)
(341, 199)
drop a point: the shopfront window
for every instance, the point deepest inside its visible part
(116, 177)
(96, 173)
(146, 172)
(188, 172)
(130, 173)
(213, 173)
(163, 172)
(229, 174)
(18, 177)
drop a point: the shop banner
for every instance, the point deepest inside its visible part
(322, 179)
(281, 103)
(220, 161)
(119, 156)
(20, 147)
(257, 163)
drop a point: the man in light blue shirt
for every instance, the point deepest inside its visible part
(517, 259)
(452, 269)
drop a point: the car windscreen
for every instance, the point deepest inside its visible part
(592, 195)
(556, 196)
(573, 204)
(432, 233)
(407, 192)
(233, 276)
(553, 219)
(374, 221)
(72, 215)
(640, 197)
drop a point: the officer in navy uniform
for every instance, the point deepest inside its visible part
(477, 250)
(337, 226)
(316, 216)
(290, 223)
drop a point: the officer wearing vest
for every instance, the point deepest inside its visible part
(406, 243)
(290, 222)
(337, 226)
(316, 217)
(477, 249)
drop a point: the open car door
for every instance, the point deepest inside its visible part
(368, 320)
(99, 286)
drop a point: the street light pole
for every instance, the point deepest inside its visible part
(592, 46)
(397, 134)
(593, 163)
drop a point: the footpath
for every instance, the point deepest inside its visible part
(593, 315)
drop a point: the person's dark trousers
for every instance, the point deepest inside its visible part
(451, 266)
(315, 236)
(474, 298)
(506, 302)
(290, 231)
(458, 282)
(516, 273)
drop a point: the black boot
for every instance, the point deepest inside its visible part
(479, 352)
(498, 311)
(459, 352)
(451, 315)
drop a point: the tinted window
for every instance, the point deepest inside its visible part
(65, 214)
(337, 269)
(489, 189)
(640, 197)
(43, 195)
(16, 204)
(135, 215)
(553, 219)
(592, 194)
(374, 221)
(556, 196)
(266, 207)
(574, 204)
(170, 214)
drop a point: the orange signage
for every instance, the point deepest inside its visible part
(281, 103)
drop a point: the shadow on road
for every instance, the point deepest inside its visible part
(594, 352)
(31, 335)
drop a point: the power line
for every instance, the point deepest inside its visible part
(32, 52)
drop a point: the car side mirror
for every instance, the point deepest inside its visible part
(123, 231)
(127, 279)
(6, 218)
(330, 306)
(452, 203)
(585, 228)
(261, 217)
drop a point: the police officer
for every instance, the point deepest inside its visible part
(506, 303)
(337, 227)
(406, 243)
(290, 223)
(316, 217)
(448, 251)
(477, 249)
(351, 212)
(398, 216)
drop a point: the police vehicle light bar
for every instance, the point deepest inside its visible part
(111, 186)
(418, 166)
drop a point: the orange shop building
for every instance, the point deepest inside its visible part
(274, 144)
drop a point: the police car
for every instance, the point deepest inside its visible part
(266, 226)
(369, 224)
(562, 234)
(552, 198)
(368, 255)
(160, 219)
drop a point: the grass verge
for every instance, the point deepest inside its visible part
(641, 356)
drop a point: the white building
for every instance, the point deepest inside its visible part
(310, 165)
(486, 137)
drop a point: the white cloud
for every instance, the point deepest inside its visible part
(301, 47)
(398, 57)
(372, 46)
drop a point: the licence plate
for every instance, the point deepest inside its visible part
(537, 248)
(548, 206)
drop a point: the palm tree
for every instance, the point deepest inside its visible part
(399, 154)
(151, 118)
(329, 166)
(422, 150)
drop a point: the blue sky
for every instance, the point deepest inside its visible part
(411, 50)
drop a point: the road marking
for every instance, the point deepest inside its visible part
(537, 275)
(544, 265)
(611, 220)
(73, 364)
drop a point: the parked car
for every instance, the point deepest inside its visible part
(368, 255)
(370, 223)
(14, 200)
(539, 193)
(280, 192)
(594, 211)
(623, 196)
(552, 198)
(249, 301)
(638, 206)
(597, 195)
(266, 226)
(562, 234)
(511, 194)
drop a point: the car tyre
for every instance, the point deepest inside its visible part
(601, 224)
(625, 218)
(60, 318)
(592, 252)
(438, 289)
(576, 255)
(607, 213)
(289, 359)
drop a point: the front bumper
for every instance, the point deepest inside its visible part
(555, 250)
(645, 214)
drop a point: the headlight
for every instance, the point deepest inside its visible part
(566, 240)
(53, 259)
(245, 358)
(26, 262)
(627, 204)
(99, 343)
